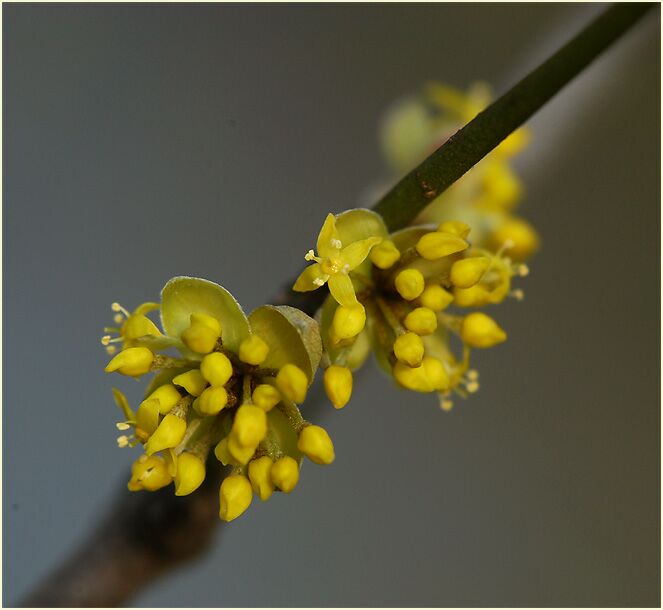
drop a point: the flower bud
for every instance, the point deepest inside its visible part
(438, 244)
(285, 474)
(202, 334)
(338, 385)
(147, 418)
(480, 330)
(348, 322)
(216, 368)
(436, 373)
(261, 478)
(315, 444)
(292, 382)
(409, 348)
(149, 473)
(167, 395)
(253, 350)
(133, 361)
(249, 425)
(412, 378)
(240, 454)
(266, 397)
(192, 381)
(190, 473)
(421, 320)
(138, 325)
(409, 284)
(385, 254)
(467, 272)
(476, 296)
(211, 401)
(223, 454)
(519, 235)
(455, 227)
(435, 297)
(235, 496)
(169, 434)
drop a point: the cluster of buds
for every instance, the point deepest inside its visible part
(396, 291)
(231, 394)
(486, 197)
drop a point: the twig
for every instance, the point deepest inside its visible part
(146, 534)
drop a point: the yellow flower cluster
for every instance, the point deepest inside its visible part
(397, 300)
(232, 394)
(486, 197)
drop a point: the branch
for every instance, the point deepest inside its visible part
(473, 142)
(146, 534)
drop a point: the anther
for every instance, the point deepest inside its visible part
(523, 270)
(117, 307)
(472, 374)
(122, 425)
(123, 441)
(105, 340)
(518, 294)
(118, 318)
(310, 255)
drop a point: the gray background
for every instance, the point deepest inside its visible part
(146, 141)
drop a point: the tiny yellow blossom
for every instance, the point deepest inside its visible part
(285, 474)
(409, 348)
(435, 297)
(438, 244)
(421, 320)
(169, 434)
(149, 473)
(241, 454)
(189, 475)
(211, 401)
(249, 425)
(436, 373)
(519, 236)
(348, 322)
(202, 334)
(315, 444)
(266, 396)
(292, 382)
(475, 296)
(385, 255)
(133, 326)
(216, 368)
(261, 478)
(410, 284)
(455, 227)
(253, 350)
(167, 395)
(412, 378)
(333, 263)
(235, 496)
(338, 385)
(466, 272)
(480, 330)
(192, 381)
(133, 361)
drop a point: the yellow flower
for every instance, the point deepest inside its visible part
(133, 326)
(285, 474)
(333, 264)
(190, 474)
(133, 361)
(260, 475)
(315, 444)
(266, 397)
(202, 334)
(480, 330)
(338, 385)
(235, 496)
(253, 350)
(410, 284)
(292, 382)
(149, 473)
(409, 349)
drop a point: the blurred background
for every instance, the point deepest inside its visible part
(146, 141)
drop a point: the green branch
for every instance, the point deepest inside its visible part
(400, 206)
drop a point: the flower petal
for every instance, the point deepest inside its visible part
(310, 279)
(328, 239)
(354, 254)
(341, 288)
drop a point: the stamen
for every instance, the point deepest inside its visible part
(523, 270)
(310, 256)
(123, 441)
(110, 350)
(336, 243)
(117, 307)
(105, 340)
(118, 318)
(446, 404)
(472, 386)
(472, 374)
(121, 425)
(518, 294)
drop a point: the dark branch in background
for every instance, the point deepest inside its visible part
(146, 534)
